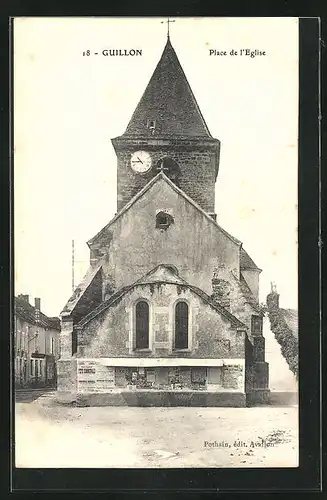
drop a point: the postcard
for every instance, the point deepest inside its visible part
(155, 211)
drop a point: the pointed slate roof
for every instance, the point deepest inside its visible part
(168, 99)
(246, 262)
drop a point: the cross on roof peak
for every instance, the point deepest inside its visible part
(161, 167)
(168, 21)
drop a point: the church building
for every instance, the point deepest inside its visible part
(168, 311)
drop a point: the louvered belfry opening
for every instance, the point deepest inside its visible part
(181, 325)
(142, 325)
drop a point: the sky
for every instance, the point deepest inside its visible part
(68, 106)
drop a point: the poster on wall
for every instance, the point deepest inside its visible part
(163, 153)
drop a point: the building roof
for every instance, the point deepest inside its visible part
(248, 295)
(163, 274)
(25, 311)
(80, 289)
(158, 177)
(246, 262)
(168, 99)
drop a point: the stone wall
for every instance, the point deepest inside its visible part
(136, 246)
(211, 335)
(197, 173)
(161, 398)
(93, 376)
(67, 375)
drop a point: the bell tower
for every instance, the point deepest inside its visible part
(167, 132)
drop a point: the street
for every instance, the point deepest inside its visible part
(29, 395)
(49, 435)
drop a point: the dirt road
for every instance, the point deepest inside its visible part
(55, 436)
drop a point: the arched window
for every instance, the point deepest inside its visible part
(142, 325)
(181, 325)
(170, 167)
(163, 220)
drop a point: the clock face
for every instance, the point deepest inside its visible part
(141, 161)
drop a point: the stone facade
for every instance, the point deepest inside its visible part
(168, 312)
(197, 161)
(133, 245)
(36, 345)
(211, 335)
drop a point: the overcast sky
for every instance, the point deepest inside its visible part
(68, 106)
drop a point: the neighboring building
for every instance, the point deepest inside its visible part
(168, 311)
(284, 325)
(36, 345)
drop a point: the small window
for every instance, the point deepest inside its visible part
(151, 124)
(181, 325)
(74, 342)
(18, 341)
(256, 325)
(142, 325)
(224, 344)
(163, 220)
(52, 345)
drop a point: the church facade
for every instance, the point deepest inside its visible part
(168, 312)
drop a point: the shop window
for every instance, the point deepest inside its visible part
(142, 325)
(150, 375)
(199, 375)
(181, 325)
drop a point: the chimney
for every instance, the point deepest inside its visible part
(37, 302)
(24, 297)
(273, 298)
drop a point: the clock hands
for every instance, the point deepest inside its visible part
(137, 161)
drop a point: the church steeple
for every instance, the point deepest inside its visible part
(168, 107)
(167, 131)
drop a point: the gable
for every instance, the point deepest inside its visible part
(161, 275)
(194, 243)
(159, 177)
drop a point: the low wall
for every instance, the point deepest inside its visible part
(162, 398)
(286, 398)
